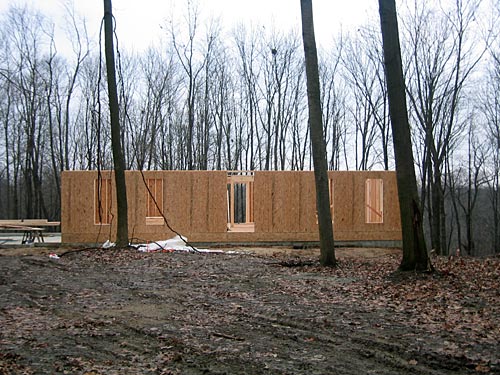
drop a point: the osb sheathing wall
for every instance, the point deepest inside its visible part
(195, 203)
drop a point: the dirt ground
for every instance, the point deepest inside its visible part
(257, 311)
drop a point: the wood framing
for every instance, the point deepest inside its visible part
(154, 201)
(374, 200)
(221, 206)
(240, 198)
(102, 200)
(331, 187)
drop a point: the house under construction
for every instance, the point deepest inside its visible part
(231, 207)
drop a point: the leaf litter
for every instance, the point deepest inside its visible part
(124, 312)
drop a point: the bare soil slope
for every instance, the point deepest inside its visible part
(271, 312)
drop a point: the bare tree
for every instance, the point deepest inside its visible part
(61, 83)
(249, 73)
(77, 32)
(26, 34)
(228, 132)
(362, 60)
(92, 136)
(443, 57)
(119, 161)
(151, 144)
(193, 65)
(414, 249)
(327, 246)
(333, 101)
(6, 117)
(491, 111)
(222, 103)
(128, 75)
(288, 83)
(465, 185)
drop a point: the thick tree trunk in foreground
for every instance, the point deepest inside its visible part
(327, 256)
(119, 161)
(414, 250)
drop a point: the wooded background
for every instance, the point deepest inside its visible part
(217, 99)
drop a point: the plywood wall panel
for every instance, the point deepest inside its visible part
(200, 202)
(136, 202)
(285, 201)
(137, 185)
(307, 203)
(391, 203)
(78, 214)
(217, 209)
(195, 205)
(66, 203)
(263, 201)
(279, 204)
(293, 215)
(343, 199)
(178, 199)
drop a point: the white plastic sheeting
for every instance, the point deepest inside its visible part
(176, 243)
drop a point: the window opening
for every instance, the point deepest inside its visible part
(153, 214)
(240, 202)
(332, 197)
(374, 199)
(331, 191)
(102, 201)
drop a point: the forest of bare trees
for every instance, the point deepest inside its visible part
(206, 97)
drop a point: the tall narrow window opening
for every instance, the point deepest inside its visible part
(331, 191)
(153, 214)
(374, 200)
(102, 201)
(240, 202)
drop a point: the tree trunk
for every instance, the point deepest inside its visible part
(327, 245)
(119, 161)
(7, 130)
(414, 250)
(435, 211)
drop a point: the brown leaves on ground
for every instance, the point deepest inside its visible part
(460, 302)
(121, 311)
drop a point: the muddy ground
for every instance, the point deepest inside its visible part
(266, 312)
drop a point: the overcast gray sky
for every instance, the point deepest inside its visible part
(138, 22)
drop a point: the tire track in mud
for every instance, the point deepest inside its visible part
(192, 314)
(292, 332)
